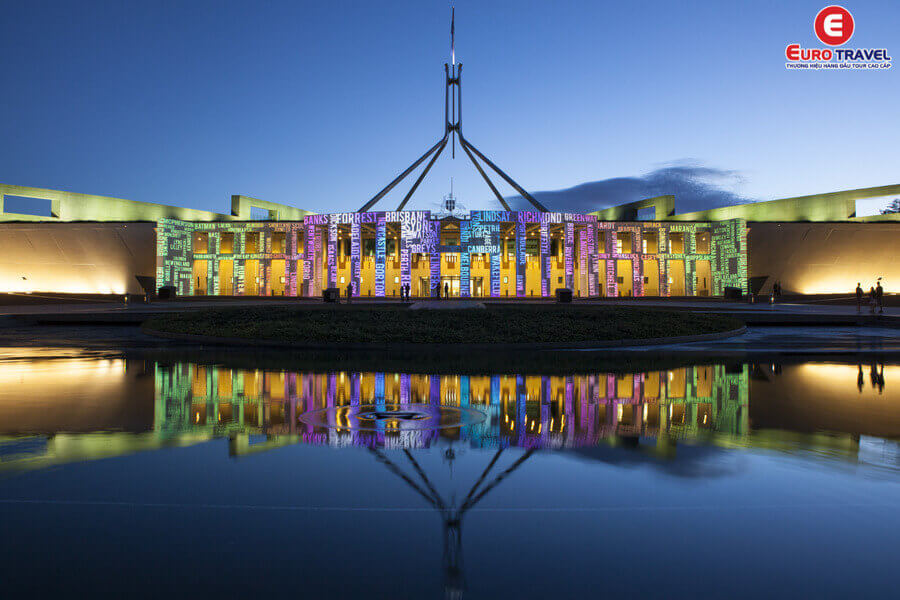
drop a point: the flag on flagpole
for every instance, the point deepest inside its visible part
(452, 35)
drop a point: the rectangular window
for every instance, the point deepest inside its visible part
(555, 247)
(702, 242)
(260, 214)
(226, 243)
(278, 239)
(676, 242)
(623, 242)
(650, 242)
(251, 242)
(22, 205)
(601, 242)
(200, 243)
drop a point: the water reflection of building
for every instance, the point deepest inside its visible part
(59, 406)
(66, 407)
(820, 399)
(520, 410)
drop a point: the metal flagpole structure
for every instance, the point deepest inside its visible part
(452, 130)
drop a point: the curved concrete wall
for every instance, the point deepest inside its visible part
(76, 258)
(823, 258)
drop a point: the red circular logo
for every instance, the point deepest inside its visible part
(834, 25)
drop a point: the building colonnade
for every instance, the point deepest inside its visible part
(495, 254)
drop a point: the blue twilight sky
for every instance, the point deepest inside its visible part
(320, 104)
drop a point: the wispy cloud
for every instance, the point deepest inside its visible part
(695, 187)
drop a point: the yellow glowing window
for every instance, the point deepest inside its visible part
(224, 386)
(650, 242)
(201, 243)
(251, 242)
(702, 243)
(676, 243)
(226, 243)
(278, 241)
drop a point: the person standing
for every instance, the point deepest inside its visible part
(859, 297)
(349, 292)
(446, 289)
(872, 300)
(879, 296)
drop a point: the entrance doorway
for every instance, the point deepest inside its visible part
(477, 287)
(424, 287)
(451, 283)
(251, 277)
(651, 277)
(201, 272)
(676, 277)
(226, 277)
(704, 278)
(625, 278)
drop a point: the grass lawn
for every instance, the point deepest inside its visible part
(524, 324)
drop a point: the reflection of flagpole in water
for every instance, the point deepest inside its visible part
(454, 582)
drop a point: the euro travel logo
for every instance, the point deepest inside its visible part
(834, 26)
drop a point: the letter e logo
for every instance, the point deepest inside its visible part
(834, 25)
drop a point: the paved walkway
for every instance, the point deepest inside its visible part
(783, 314)
(445, 304)
(791, 340)
(810, 308)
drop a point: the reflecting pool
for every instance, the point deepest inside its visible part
(200, 474)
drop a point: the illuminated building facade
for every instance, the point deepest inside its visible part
(94, 245)
(497, 254)
(97, 245)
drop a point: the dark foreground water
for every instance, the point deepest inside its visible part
(140, 476)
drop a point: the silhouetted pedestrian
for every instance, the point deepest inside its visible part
(349, 292)
(872, 300)
(879, 296)
(859, 297)
(860, 379)
(446, 289)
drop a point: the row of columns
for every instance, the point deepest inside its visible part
(579, 244)
(574, 416)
